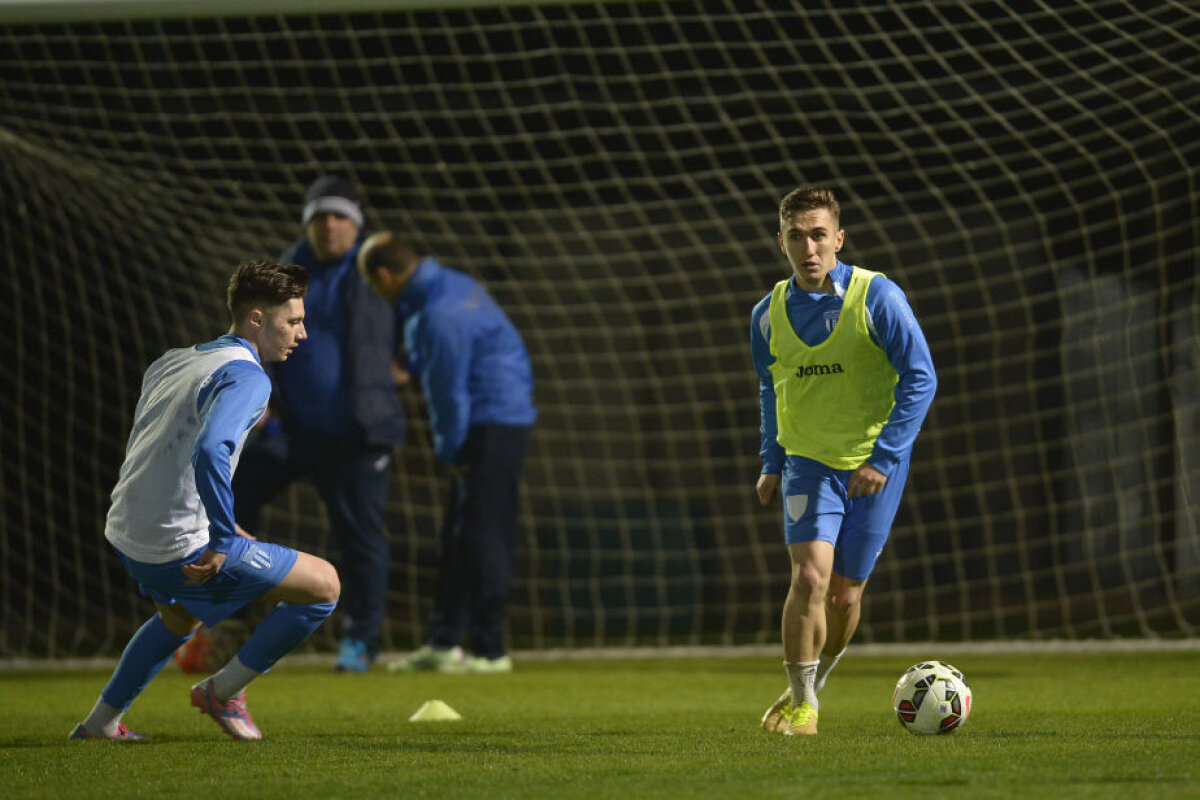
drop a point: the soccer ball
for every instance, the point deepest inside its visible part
(932, 697)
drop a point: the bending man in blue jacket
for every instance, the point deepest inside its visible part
(478, 384)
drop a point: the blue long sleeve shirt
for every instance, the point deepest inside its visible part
(229, 404)
(893, 328)
(471, 361)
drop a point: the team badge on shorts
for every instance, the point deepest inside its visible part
(257, 558)
(797, 504)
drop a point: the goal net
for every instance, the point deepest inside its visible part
(1027, 172)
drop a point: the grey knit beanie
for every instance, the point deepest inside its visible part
(332, 194)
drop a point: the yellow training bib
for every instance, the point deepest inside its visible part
(831, 400)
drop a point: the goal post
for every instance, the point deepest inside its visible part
(80, 11)
(612, 172)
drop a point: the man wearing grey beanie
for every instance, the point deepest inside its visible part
(337, 416)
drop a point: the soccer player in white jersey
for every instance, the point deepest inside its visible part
(171, 520)
(845, 380)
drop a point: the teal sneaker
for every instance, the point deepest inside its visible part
(354, 656)
(427, 659)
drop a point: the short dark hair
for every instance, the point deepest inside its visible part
(393, 252)
(808, 198)
(259, 281)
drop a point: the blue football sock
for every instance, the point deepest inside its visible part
(147, 652)
(280, 632)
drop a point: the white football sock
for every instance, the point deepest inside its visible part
(802, 676)
(231, 679)
(824, 667)
(103, 720)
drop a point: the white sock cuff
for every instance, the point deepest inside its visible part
(787, 663)
(232, 678)
(103, 719)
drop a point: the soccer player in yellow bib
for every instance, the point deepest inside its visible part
(845, 380)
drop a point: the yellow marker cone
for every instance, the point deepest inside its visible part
(434, 711)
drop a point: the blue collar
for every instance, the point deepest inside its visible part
(839, 276)
(422, 283)
(230, 340)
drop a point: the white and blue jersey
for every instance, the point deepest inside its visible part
(892, 327)
(174, 493)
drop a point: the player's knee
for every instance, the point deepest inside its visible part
(844, 599)
(329, 585)
(809, 583)
(844, 593)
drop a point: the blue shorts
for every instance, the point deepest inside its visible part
(251, 569)
(815, 507)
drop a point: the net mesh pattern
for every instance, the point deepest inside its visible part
(612, 172)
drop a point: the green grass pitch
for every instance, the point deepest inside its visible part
(1116, 725)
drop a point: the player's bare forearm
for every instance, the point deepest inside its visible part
(865, 481)
(766, 488)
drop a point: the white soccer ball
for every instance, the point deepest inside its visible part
(932, 697)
